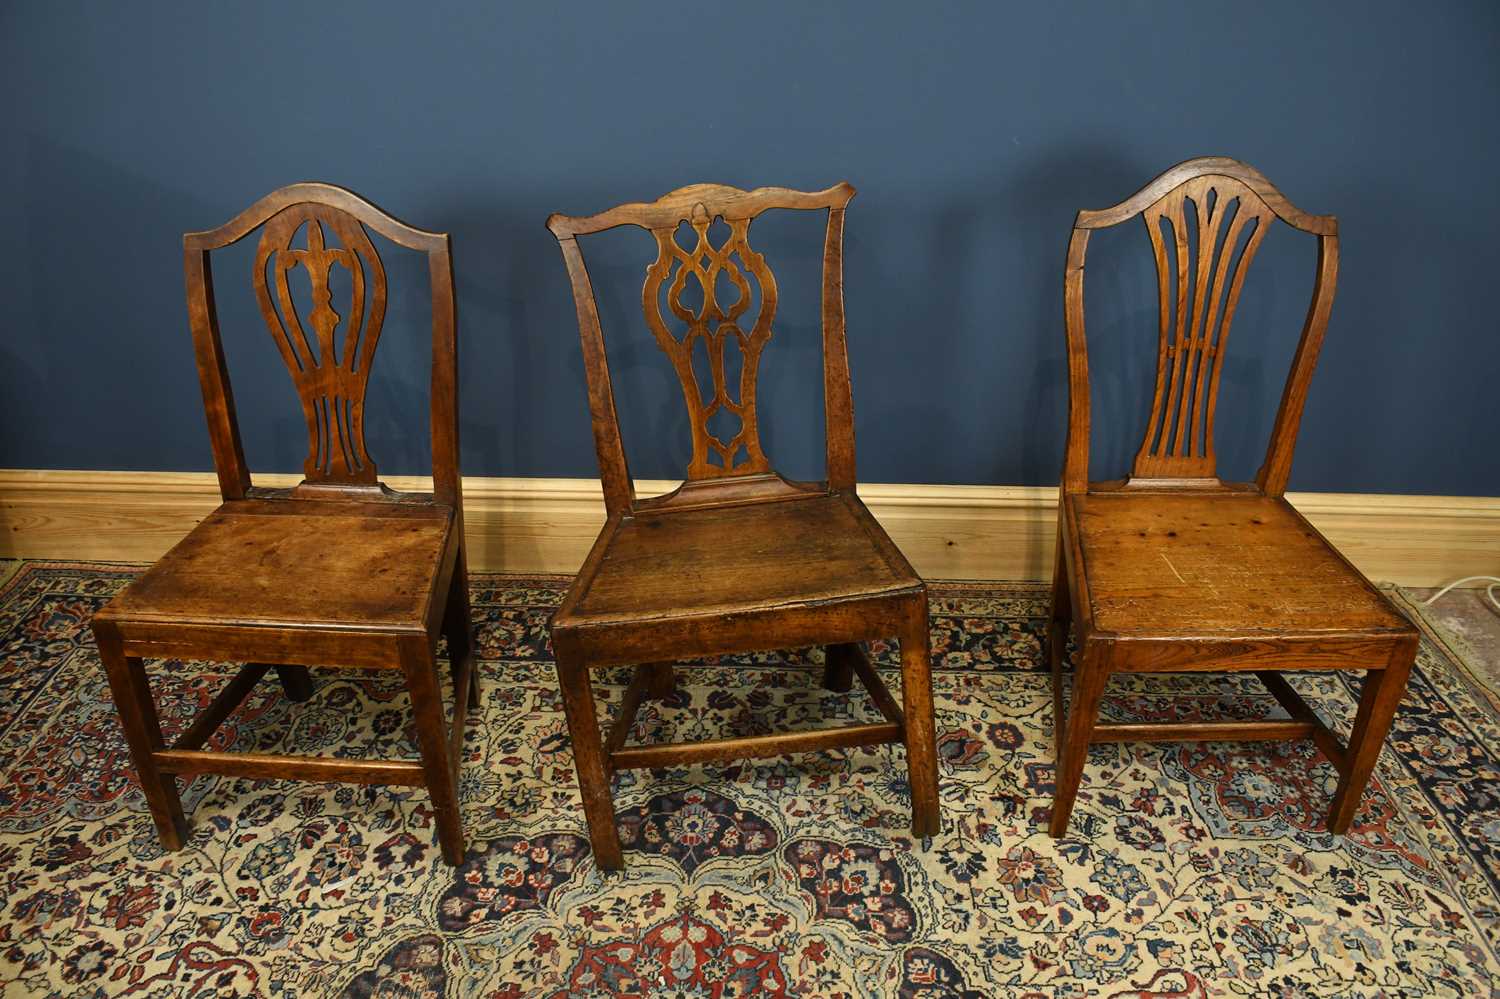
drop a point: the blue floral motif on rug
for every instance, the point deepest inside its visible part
(1193, 870)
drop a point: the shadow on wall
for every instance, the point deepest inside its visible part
(73, 348)
(971, 254)
(1045, 198)
(69, 347)
(510, 346)
(934, 272)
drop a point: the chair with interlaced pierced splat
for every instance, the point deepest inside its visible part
(337, 571)
(1174, 570)
(738, 559)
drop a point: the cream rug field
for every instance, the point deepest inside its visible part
(1193, 870)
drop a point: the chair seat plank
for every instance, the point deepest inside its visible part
(258, 562)
(1193, 565)
(712, 562)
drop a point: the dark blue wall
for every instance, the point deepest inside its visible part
(973, 133)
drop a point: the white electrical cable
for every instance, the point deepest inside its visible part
(1489, 591)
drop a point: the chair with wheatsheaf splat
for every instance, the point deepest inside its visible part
(1175, 570)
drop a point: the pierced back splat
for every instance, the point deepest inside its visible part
(1215, 224)
(1229, 205)
(717, 325)
(330, 365)
(714, 347)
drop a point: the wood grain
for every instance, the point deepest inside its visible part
(548, 525)
(810, 549)
(334, 563)
(755, 747)
(1204, 565)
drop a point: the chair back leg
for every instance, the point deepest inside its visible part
(1059, 621)
(838, 667)
(661, 680)
(296, 682)
(458, 629)
(921, 736)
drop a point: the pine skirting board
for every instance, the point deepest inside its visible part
(547, 525)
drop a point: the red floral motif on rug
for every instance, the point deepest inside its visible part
(679, 957)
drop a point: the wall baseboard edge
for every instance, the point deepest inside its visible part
(547, 525)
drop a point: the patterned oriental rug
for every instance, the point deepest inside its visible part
(1194, 869)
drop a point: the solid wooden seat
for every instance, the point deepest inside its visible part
(1175, 570)
(338, 571)
(785, 555)
(1187, 565)
(299, 563)
(737, 559)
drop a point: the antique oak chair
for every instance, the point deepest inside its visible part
(337, 571)
(1174, 570)
(737, 559)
